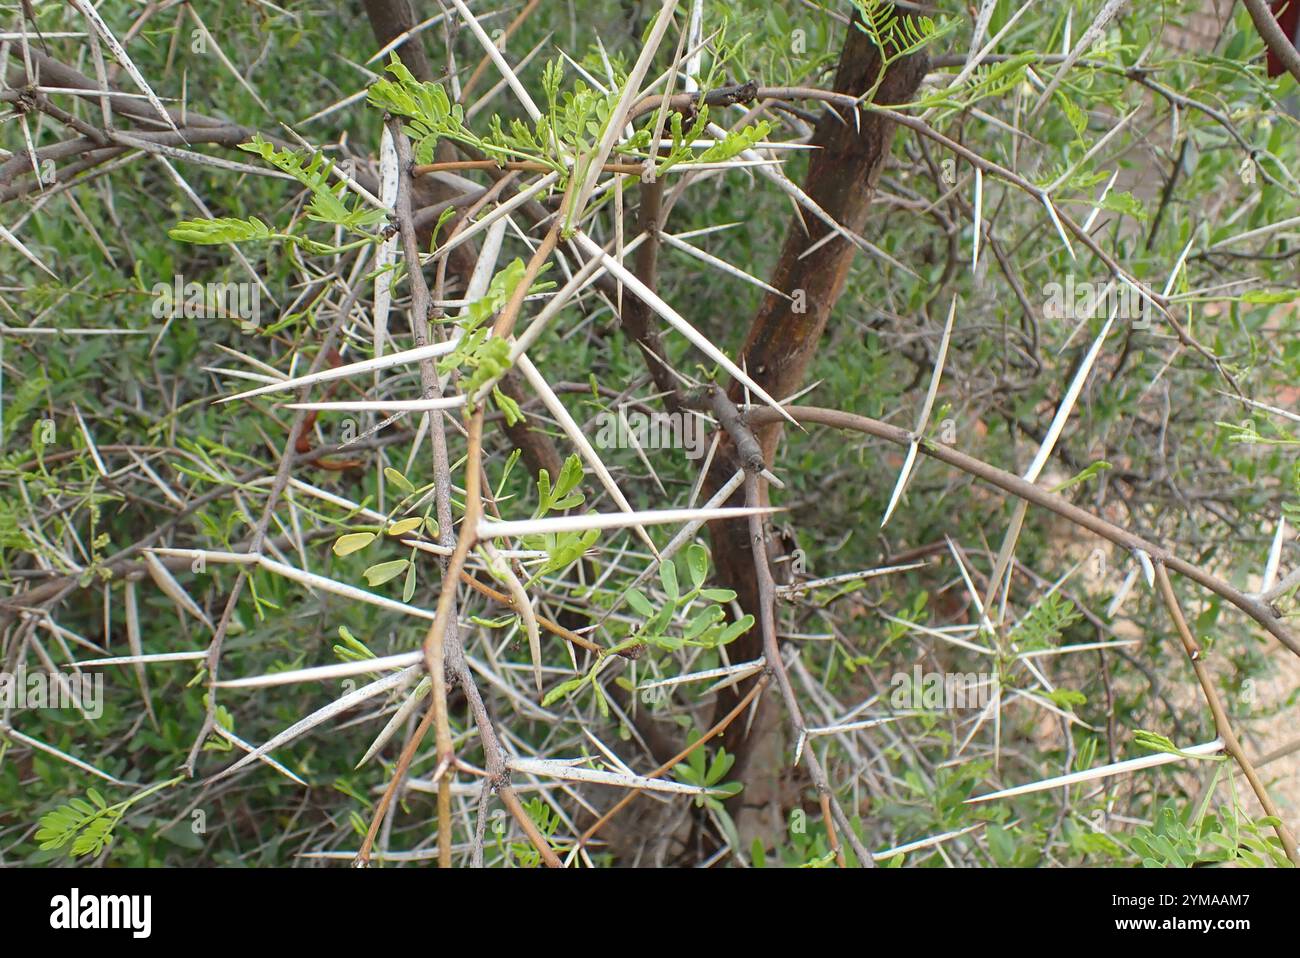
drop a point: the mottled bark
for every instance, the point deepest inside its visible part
(388, 20)
(783, 340)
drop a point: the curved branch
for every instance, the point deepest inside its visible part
(1283, 49)
(1016, 486)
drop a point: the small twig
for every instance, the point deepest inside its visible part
(748, 450)
(550, 626)
(718, 728)
(831, 836)
(686, 103)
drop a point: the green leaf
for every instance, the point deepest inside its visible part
(602, 705)
(1067, 698)
(510, 409)
(403, 526)
(1267, 296)
(397, 479)
(639, 603)
(352, 542)
(736, 142)
(383, 571)
(225, 229)
(561, 690)
(1097, 467)
(736, 630)
(408, 590)
(697, 563)
(1155, 742)
(352, 648)
(668, 576)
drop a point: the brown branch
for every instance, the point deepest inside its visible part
(775, 665)
(851, 149)
(1279, 44)
(831, 837)
(637, 320)
(686, 103)
(1037, 495)
(1221, 721)
(421, 301)
(435, 658)
(50, 72)
(719, 727)
(389, 19)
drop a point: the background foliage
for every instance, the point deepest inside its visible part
(1206, 157)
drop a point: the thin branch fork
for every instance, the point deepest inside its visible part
(434, 650)
(553, 627)
(750, 454)
(433, 646)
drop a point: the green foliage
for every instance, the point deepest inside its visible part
(1159, 440)
(571, 127)
(327, 205)
(327, 201)
(484, 356)
(1155, 742)
(224, 229)
(893, 35)
(86, 828)
(1225, 838)
(703, 772)
(662, 628)
(548, 823)
(706, 629)
(1045, 622)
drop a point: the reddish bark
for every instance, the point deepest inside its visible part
(782, 341)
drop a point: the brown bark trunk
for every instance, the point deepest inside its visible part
(782, 342)
(388, 20)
